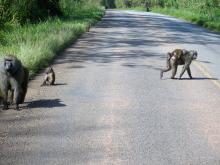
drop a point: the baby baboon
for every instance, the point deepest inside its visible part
(49, 77)
(14, 79)
(179, 57)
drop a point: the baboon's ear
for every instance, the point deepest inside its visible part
(184, 51)
(169, 54)
(195, 54)
(192, 52)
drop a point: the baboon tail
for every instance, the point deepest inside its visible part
(24, 85)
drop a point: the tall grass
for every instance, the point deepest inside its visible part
(23, 11)
(37, 44)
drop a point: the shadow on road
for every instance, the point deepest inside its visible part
(76, 67)
(178, 31)
(46, 103)
(134, 65)
(207, 62)
(127, 36)
(55, 84)
(200, 78)
(59, 84)
(194, 78)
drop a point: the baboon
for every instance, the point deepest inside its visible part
(49, 77)
(179, 57)
(14, 79)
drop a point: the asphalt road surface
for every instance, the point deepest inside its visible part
(110, 107)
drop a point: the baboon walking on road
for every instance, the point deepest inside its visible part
(179, 57)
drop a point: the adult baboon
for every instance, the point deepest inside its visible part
(49, 78)
(179, 57)
(14, 79)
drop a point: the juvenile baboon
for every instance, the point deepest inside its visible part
(14, 79)
(49, 77)
(179, 57)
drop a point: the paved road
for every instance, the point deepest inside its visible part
(109, 105)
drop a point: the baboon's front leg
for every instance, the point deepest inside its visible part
(11, 96)
(189, 72)
(185, 67)
(174, 69)
(4, 99)
(17, 93)
(164, 70)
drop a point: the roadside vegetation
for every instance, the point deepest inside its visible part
(36, 30)
(205, 13)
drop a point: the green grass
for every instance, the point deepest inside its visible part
(194, 17)
(37, 44)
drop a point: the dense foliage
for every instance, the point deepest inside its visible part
(23, 11)
(108, 3)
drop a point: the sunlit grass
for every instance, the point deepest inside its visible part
(37, 44)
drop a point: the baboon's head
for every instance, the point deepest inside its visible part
(12, 64)
(8, 65)
(49, 70)
(194, 54)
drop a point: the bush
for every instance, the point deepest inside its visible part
(22, 11)
(28, 41)
(109, 4)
